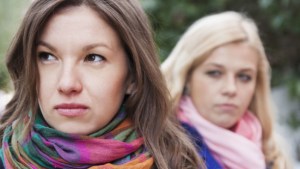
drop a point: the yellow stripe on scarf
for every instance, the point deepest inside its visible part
(134, 164)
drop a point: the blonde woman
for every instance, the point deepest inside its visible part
(85, 96)
(219, 78)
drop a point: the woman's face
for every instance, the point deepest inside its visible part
(83, 71)
(222, 87)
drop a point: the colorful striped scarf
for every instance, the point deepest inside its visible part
(115, 146)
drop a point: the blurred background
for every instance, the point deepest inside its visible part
(277, 20)
(279, 25)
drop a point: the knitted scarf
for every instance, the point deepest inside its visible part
(238, 149)
(115, 146)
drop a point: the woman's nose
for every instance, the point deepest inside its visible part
(230, 86)
(69, 82)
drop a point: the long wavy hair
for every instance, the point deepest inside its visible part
(149, 104)
(199, 41)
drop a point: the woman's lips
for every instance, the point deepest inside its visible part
(71, 110)
(227, 107)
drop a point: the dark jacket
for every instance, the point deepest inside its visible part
(202, 148)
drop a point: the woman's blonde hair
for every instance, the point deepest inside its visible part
(148, 106)
(199, 41)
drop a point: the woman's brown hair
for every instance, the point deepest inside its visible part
(148, 105)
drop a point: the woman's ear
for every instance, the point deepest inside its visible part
(186, 90)
(130, 88)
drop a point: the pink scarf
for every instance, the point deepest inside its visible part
(238, 149)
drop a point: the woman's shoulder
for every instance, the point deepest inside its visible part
(202, 148)
(195, 136)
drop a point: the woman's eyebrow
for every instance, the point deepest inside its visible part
(212, 64)
(43, 43)
(244, 69)
(94, 45)
(85, 48)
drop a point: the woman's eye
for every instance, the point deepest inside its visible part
(45, 56)
(244, 77)
(94, 58)
(214, 73)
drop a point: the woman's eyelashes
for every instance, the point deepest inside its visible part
(46, 57)
(214, 73)
(94, 58)
(244, 77)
